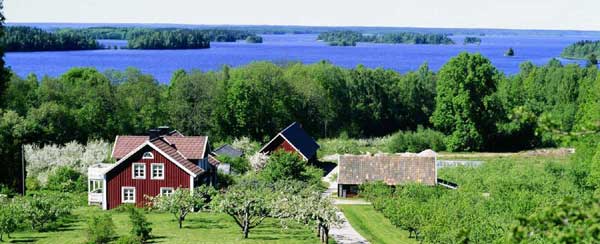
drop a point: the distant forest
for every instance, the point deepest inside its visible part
(582, 50)
(472, 40)
(350, 38)
(22, 38)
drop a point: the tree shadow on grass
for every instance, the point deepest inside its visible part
(203, 224)
(156, 239)
(26, 239)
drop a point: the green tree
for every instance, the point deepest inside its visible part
(569, 221)
(10, 217)
(13, 134)
(189, 101)
(592, 60)
(465, 102)
(139, 103)
(4, 72)
(248, 203)
(182, 202)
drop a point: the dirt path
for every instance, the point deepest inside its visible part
(343, 234)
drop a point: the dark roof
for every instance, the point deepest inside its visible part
(228, 150)
(295, 135)
(191, 147)
(391, 169)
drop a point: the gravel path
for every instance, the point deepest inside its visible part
(343, 234)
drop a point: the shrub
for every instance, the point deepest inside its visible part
(238, 165)
(416, 141)
(7, 191)
(101, 229)
(66, 179)
(140, 227)
(283, 165)
(45, 209)
(33, 184)
(224, 180)
(129, 240)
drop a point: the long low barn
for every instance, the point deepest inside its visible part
(355, 170)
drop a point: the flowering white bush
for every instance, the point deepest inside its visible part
(258, 161)
(246, 145)
(43, 160)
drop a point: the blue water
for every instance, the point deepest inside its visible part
(538, 49)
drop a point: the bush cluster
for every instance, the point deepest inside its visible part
(417, 141)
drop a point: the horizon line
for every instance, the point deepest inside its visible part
(318, 26)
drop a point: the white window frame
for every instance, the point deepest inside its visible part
(166, 188)
(96, 186)
(162, 177)
(133, 171)
(123, 194)
(148, 157)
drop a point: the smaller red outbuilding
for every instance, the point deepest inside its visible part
(293, 139)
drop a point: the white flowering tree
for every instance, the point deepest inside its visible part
(258, 161)
(304, 204)
(43, 160)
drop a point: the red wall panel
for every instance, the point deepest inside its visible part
(286, 146)
(121, 176)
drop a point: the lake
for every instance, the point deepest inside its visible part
(538, 49)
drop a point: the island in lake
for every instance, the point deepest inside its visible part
(350, 38)
(25, 38)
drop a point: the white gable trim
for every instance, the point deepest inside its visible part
(147, 143)
(289, 142)
(112, 153)
(269, 143)
(205, 146)
(305, 158)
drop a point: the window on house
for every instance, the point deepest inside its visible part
(166, 191)
(148, 155)
(95, 186)
(158, 171)
(139, 171)
(128, 194)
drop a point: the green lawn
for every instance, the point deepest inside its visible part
(373, 225)
(197, 228)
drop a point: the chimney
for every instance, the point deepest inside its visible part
(153, 134)
(163, 130)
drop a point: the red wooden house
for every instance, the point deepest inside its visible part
(293, 139)
(152, 165)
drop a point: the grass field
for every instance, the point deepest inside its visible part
(197, 228)
(374, 226)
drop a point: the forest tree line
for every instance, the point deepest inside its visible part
(23, 38)
(350, 38)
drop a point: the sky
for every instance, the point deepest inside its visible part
(511, 14)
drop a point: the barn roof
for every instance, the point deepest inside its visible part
(228, 150)
(391, 169)
(298, 138)
(191, 147)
